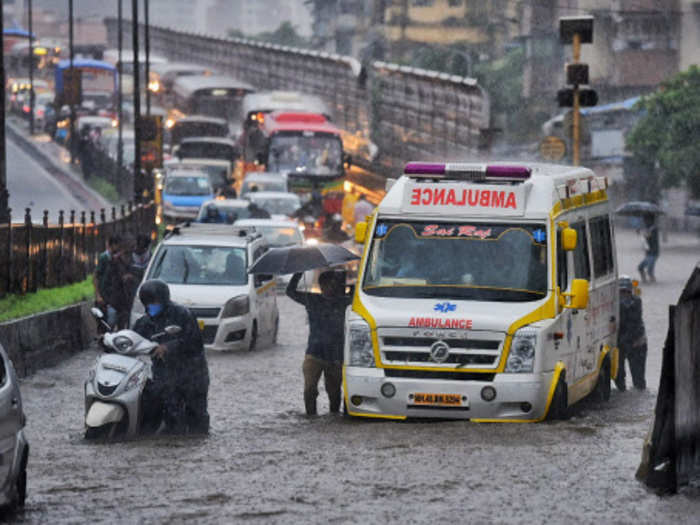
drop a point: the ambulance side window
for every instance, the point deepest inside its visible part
(562, 272)
(601, 241)
(582, 265)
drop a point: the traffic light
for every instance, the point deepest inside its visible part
(148, 127)
(587, 97)
(150, 130)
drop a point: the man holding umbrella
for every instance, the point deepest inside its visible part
(324, 351)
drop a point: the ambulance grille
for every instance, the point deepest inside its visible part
(468, 349)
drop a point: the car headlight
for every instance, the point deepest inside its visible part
(122, 343)
(360, 344)
(521, 358)
(237, 306)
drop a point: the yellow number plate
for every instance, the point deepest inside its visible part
(201, 324)
(451, 400)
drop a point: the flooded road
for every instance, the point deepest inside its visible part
(265, 462)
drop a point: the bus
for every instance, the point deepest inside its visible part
(98, 80)
(112, 56)
(163, 76)
(212, 95)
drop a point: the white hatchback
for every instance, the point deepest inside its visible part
(206, 268)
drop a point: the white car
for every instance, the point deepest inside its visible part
(206, 268)
(279, 204)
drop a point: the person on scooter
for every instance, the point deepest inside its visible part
(180, 372)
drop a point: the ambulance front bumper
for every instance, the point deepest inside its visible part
(518, 397)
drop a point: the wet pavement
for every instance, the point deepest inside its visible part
(264, 462)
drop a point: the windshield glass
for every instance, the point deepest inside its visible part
(314, 153)
(182, 185)
(263, 185)
(205, 150)
(281, 235)
(473, 261)
(277, 205)
(200, 265)
(182, 130)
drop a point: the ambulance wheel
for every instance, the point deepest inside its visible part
(253, 337)
(559, 408)
(601, 392)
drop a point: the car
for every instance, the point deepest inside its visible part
(229, 211)
(184, 191)
(263, 181)
(206, 268)
(14, 448)
(278, 204)
(219, 171)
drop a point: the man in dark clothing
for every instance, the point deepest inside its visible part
(651, 248)
(333, 230)
(631, 339)
(102, 283)
(180, 372)
(324, 351)
(256, 212)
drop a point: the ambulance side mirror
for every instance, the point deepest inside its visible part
(360, 232)
(578, 297)
(568, 239)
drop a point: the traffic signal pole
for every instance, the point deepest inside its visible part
(576, 132)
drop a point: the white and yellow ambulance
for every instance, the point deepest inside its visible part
(485, 292)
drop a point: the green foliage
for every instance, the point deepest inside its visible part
(104, 188)
(665, 140)
(16, 306)
(503, 81)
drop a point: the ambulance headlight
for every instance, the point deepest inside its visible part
(521, 359)
(360, 345)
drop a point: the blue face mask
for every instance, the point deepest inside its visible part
(154, 309)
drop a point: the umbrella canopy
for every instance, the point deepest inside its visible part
(293, 259)
(639, 208)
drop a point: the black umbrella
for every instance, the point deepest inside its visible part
(639, 208)
(293, 259)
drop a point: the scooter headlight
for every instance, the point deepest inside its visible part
(122, 343)
(521, 358)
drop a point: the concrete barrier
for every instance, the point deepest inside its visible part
(45, 339)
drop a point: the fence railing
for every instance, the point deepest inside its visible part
(409, 114)
(45, 255)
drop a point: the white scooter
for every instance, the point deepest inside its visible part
(114, 388)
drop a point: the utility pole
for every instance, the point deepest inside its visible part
(71, 50)
(4, 196)
(120, 114)
(147, 44)
(138, 177)
(576, 30)
(31, 68)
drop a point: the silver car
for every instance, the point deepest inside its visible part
(14, 449)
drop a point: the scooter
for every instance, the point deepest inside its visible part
(114, 389)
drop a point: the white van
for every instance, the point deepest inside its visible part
(485, 292)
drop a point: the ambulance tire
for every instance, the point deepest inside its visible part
(559, 407)
(601, 392)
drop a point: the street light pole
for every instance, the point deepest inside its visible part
(120, 115)
(576, 156)
(146, 37)
(31, 68)
(4, 196)
(71, 50)
(137, 100)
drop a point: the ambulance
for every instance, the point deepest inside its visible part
(485, 292)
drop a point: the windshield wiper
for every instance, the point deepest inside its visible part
(187, 270)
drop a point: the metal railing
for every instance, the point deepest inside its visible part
(44, 255)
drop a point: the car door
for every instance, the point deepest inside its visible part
(10, 415)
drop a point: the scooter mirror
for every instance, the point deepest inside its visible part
(172, 329)
(97, 312)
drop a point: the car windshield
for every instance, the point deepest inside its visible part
(263, 185)
(182, 130)
(205, 150)
(278, 205)
(200, 265)
(471, 261)
(217, 174)
(277, 236)
(183, 185)
(315, 153)
(222, 214)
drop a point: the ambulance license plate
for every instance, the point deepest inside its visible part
(449, 400)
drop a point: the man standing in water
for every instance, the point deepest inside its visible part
(324, 352)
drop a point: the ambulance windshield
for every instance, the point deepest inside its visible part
(471, 261)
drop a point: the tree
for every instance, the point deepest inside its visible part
(666, 139)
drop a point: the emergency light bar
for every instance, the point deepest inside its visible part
(469, 172)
